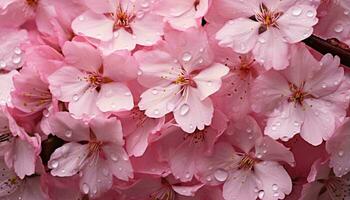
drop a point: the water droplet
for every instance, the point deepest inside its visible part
(68, 133)
(310, 13)
(231, 22)
(341, 153)
(324, 86)
(242, 46)
(336, 82)
(156, 112)
(116, 34)
(274, 187)
(186, 57)
(209, 83)
(2, 64)
(154, 91)
(127, 93)
(297, 11)
(139, 73)
(261, 194)
(275, 194)
(86, 188)
(285, 138)
(188, 175)
(46, 113)
(125, 157)
(191, 126)
(81, 18)
(16, 59)
(114, 157)
(346, 12)
(17, 50)
(221, 175)
(19, 198)
(144, 4)
(184, 109)
(338, 28)
(249, 130)
(258, 155)
(140, 14)
(81, 174)
(273, 127)
(209, 178)
(54, 164)
(262, 40)
(200, 61)
(75, 97)
(201, 50)
(264, 151)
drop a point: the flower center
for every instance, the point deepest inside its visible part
(32, 3)
(267, 18)
(197, 137)
(246, 163)
(94, 146)
(185, 80)
(164, 193)
(96, 80)
(298, 95)
(123, 18)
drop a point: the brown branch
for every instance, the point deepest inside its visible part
(332, 46)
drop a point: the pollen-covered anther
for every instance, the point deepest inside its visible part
(94, 146)
(298, 95)
(246, 163)
(267, 17)
(123, 18)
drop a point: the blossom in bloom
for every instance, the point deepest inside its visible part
(120, 24)
(88, 78)
(180, 75)
(247, 164)
(95, 151)
(309, 97)
(267, 28)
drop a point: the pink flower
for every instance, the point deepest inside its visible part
(92, 84)
(267, 28)
(183, 14)
(309, 97)
(119, 24)
(20, 150)
(100, 156)
(14, 188)
(180, 76)
(324, 185)
(252, 172)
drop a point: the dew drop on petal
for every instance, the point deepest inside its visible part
(261, 194)
(154, 91)
(86, 188)
(116, 34)
(184, 109)
(68, 133)
(310, 13)
(170, 106)
(209, 178)
(156, 112)
(188, 175)
(221, 175)
(105, 172)
(46, 113)
(75, 97)
(249, 130)
(258, 155)
(17, 50)
(296, 11)
(54, 164)
(340, 153)
(274, 187)
(140, 14)
(186, 57)
(2, 64)
(16, 59)
(139, 73)
(81, 18)
(114, 157)
(262, 40)
(338, 28)
(346, 12)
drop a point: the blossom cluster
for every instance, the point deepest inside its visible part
(173, 100)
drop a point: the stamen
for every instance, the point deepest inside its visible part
(298, 95)
(246, 163)
(197, 137)
(267, 18)
(123, 18)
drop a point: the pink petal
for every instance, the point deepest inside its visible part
(319, 122)
(118, 162)
(209, 80)
(120, 66)
(297, 27)
(155, 65)
(269, 149)
(63, 125)
(187, 190)
(85, 105)
(271, 51)
(193, 113)
(68, 159)
(121, 40)
(102, 6)
(276, 182)
(107, 130)
(311, 191)
(240, 34)
(241, 184)
(268, 91)
(159, 101)
(6, 85)
(93, 25)
(177, 8)
(285, 122)
(148, 30)
(82, 55)
(114, 97)
(67, 84)
(96, 179)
